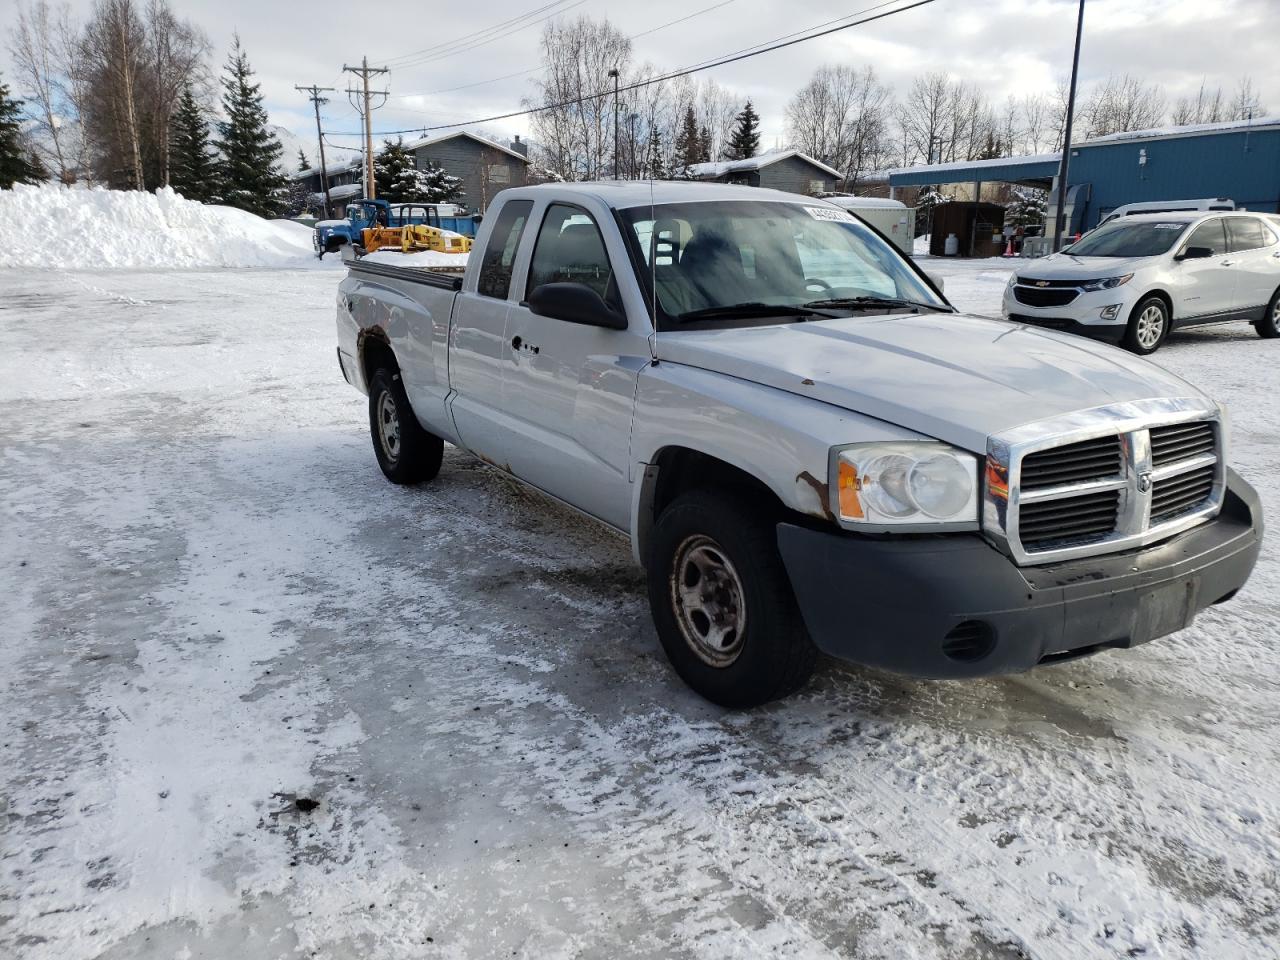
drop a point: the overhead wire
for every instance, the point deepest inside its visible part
(745, 54)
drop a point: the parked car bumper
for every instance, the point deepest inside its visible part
(1100, 314)
(954, 606)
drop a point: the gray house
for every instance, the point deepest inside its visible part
(788, 170)
(483, 166)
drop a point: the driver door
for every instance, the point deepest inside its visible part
(568, 387)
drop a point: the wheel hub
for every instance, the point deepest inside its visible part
(709, 601)
(389, 426)
(1150, 326)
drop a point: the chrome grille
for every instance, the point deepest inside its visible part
(1086, 518)
(1087, 460)
(1178, 494)
(1180, 441)
(1104, 480)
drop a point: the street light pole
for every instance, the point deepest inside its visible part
(1064, 167)
(614, 73)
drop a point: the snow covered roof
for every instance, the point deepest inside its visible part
(719, 168)
(979, 164)
(866, 203)
(1190, 130)
(430, 141)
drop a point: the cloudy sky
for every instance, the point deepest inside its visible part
(1005, 46)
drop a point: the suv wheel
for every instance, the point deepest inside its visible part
(722, 602)
(1269, 326)
(406, 453)
(1148, 326)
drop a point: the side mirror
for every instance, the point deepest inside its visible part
(574, 303)
(1195, 253)
(938, 279)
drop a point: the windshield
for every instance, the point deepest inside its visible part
(1120, 239)
(704, 259)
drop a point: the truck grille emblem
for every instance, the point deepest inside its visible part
(1144, 482)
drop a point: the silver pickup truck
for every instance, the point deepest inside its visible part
(807, 446)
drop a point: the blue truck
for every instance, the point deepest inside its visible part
(332, 235)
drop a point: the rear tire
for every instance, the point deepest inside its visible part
(722, 602)
(1148, 326)
(1269, 326)
(406, 453)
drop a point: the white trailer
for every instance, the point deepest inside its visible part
(893, 218)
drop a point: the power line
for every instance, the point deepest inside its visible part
(698, 68)
(317, 100)
(364, 72)
(474, 34)
(524, 73)
(453, 51)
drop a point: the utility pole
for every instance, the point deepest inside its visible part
(1059, 220)
(314, 96)
(364, 72)
(614, 73)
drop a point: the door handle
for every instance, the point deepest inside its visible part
(1228, 263)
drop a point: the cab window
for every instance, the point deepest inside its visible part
(570, 249)
(1210, 234)
(495, 268)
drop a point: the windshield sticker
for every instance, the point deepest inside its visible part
(1170, 226)
(831, 213)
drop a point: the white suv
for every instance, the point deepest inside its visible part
(1132, 280)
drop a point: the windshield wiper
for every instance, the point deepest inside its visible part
(752, 308)
(876, 302)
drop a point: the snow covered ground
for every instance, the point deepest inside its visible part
(212, 606)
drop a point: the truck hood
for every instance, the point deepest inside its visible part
(1063, 266)
(953, 377)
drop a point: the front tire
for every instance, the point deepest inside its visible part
(1269, 326)
(406, 453)
(722, 602)
(1148, 326)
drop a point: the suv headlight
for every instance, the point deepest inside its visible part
(1107, 284)
(913, 483)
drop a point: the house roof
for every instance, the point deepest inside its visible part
(719, 168)
(493, 144)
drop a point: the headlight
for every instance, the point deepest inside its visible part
(1107, 284)
(921, 483)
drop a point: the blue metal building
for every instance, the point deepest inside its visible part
(1239, 160)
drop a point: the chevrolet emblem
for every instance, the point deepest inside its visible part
(1042, 283)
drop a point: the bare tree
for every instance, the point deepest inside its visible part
(1206, 106)
(1037, 122)
(1245, 104)
(176, 54)
(34, 45)
(841, 118)
(1122, 103)
(576, 139)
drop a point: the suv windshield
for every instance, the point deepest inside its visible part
(739, 262)
(1120, 239)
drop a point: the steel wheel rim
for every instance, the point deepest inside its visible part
(1275, 315)
(388, 426)
(1150, 326)
(709, 601)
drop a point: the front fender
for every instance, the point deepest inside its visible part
(780, 438)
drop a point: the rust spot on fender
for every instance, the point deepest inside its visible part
(504, 467)
(820, 489)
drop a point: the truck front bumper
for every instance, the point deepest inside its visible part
(954, 606)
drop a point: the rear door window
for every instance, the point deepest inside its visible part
(1246, 233)
(500, 254)
(1209, 234)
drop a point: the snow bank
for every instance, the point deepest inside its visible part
(89, 229)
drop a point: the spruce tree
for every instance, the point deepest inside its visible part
(440, 186)
(704, 145)
(250, 153)
(744, 142)
(396, 176)
(688, 144)
(657, 170)
(303, 163)
(192, 169)
(16, 164)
